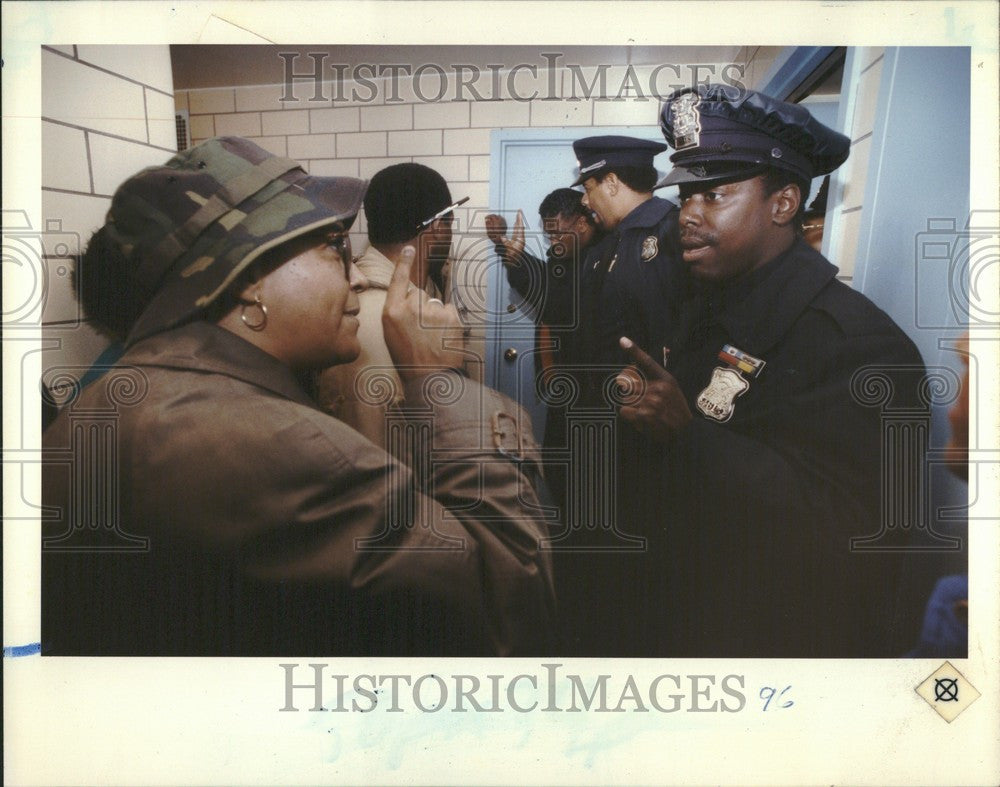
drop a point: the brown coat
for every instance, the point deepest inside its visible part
(243, 520)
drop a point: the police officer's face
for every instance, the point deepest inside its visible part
(730, 229)
(597, 197)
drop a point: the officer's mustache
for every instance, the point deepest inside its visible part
(694, 240)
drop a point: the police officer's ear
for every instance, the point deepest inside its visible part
(611, 183)
(785, 204)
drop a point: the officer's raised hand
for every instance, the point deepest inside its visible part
(508, 248)
(661, 410)
(418, 328)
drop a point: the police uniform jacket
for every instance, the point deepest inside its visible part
(760, 504)
(630, 280)
(202, 504)
(631, 283)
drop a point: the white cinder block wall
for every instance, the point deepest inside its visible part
(335, 133)
(107, 112)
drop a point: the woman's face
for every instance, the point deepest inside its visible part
(312, 304)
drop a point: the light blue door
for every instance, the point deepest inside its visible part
(527, 164)
(917, 232)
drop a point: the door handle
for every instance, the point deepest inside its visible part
(510, 354)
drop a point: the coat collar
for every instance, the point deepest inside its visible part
(758, 311)
(205, 347)
(376, 267)
(648, 214)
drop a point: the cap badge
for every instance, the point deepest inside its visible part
(650, 248)
(717, 401)
(592, 167)
(687, 121)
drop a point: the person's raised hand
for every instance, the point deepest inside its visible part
(660, 409)
(510, 248)
(496, 228)
(420, 332)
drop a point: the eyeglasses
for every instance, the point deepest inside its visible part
(556, 228)
(340, 242)
(441, 214)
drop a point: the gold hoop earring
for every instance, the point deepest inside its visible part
(261, 324)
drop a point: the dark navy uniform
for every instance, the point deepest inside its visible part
(788, 375)
(630, 280)
(763, 498)
(632, 274)
(636, 282)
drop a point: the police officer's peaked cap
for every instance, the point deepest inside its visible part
(598, 154)
(721, 131)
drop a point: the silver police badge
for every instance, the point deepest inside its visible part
(650, 248)
(716, 401)
(687, 121)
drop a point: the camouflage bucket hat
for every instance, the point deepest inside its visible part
(195, 223)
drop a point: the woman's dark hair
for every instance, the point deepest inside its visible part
(104, 284)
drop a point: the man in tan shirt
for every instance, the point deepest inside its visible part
(405, 205)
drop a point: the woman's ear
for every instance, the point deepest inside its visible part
(251, 289)
(786, 203)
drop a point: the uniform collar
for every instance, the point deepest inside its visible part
(757, 311)
(205, 347)
(647, 214)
